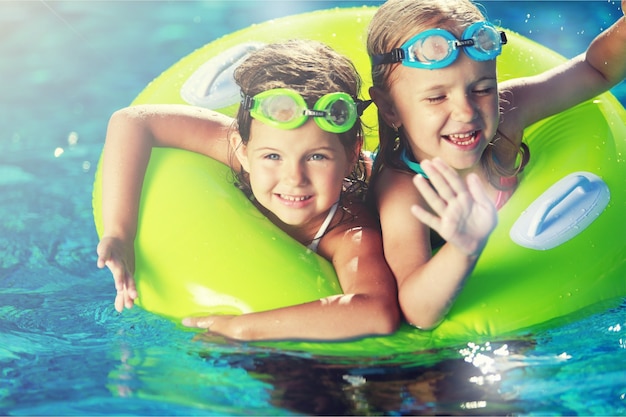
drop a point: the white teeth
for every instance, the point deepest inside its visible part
(293, 198)
(458, 138)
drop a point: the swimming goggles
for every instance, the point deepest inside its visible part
(438, 48)
(284, 108)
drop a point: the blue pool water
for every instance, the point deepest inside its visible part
(65, 66)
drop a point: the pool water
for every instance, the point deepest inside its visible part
(65, 67)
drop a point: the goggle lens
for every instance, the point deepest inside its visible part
(487, 42)
(433, 48)
(340, 112)
(280, 108)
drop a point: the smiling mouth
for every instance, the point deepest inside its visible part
(462, 139)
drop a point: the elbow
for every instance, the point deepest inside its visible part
(121, 115)
(136, 115)
(421, 316)
(425, 325)
(379, 315)
(388, 319)
(424, 322)
(388, 326)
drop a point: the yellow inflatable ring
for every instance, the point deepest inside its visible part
(558, 251)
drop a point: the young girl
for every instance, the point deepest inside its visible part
(443, 116)
(297, 141)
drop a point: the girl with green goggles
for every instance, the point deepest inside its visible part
(310, 183)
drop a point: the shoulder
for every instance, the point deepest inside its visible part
(391, 184)
(355, 224)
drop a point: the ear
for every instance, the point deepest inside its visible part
(241, 150)
(385, 106)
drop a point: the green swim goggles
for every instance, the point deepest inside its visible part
(284, 108)
(438, 48)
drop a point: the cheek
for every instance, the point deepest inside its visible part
(260, 177)
(419, 120)
(491, 112)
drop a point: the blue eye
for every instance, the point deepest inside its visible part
(318, 157)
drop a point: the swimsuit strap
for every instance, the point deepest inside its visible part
(316, 240)
(504, 195)
(413, 166)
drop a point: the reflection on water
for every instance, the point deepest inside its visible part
(66, 67)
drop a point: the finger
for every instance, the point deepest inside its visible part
(438, 180)
(452, 178)
(426, 217)
(129, 302)
(118, 273)
(131, 287)
(119, 302)
(103, 256)
(477, 190)
(430, 195)
(199, 322)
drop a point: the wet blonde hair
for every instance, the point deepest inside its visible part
(387, 31)
(313, 69)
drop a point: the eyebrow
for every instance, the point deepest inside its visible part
(317, 149)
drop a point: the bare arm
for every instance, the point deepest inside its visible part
(367, 307)
(460, 212)
(131, 135)
(601, 67)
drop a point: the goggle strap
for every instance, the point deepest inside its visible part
(503, 38)
(246, 101)
(464, 42)
(396, 55)
(314, 113)
(361, 105)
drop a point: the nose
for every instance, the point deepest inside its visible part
(294, 173)
(465, 109)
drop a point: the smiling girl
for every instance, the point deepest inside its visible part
(443, 116)
(296, 150)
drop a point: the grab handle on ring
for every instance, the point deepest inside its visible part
(570, 185)
(564, 210)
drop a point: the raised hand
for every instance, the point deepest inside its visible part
(462, 212)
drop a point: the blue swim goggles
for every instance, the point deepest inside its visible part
(438, 48)
(284, 108)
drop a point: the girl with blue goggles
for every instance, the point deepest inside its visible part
(438, 48)
(284, 108)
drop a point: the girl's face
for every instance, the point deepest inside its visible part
(450, 112)
(295, 174)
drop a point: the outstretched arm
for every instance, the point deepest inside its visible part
(368, 305)
(595, 71)
(131, 135)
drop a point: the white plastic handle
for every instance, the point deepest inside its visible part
(569, 185)
(563, 211)
(212, 85)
